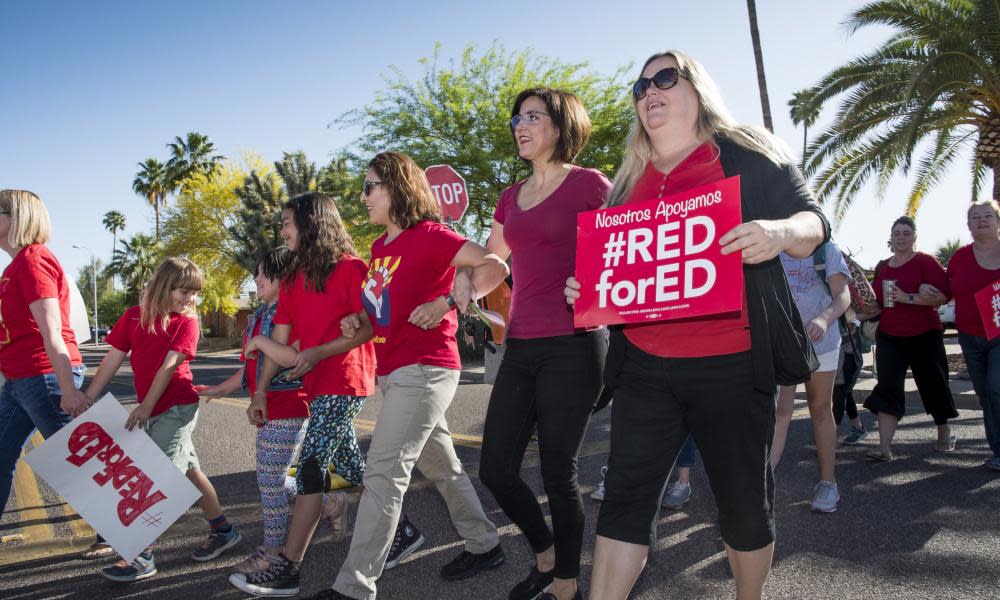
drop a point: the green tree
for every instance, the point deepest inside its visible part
(85, 282)
(933, 89)
(114, 222)
(111, 306)
(134, 263)
(803, 111)
(946, 250)
(458, 114)
(197, 227)
(191, 155)
(256, 227)
(758, 55)
(297, 173)
(342, 179)
(152, 182)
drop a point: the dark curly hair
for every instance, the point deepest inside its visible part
(275, 263)
(322, 238)
(410, 198)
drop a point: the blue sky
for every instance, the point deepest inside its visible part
(91, 89)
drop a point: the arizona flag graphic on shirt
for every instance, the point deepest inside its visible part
(375, 292)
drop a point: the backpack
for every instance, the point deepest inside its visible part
(862, 296)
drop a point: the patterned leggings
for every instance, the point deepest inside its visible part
(277, 442)
(330, 438)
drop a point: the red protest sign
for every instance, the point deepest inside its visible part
(988, 303)
(449, 190)
(659, 259)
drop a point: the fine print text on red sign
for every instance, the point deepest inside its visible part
(988, 303)
(659, 259)
(89, 439)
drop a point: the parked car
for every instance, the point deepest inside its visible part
(947, 313)
(101, 332)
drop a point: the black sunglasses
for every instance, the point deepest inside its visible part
(664, 80)
(369, 185)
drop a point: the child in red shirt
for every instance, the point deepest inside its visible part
(280, 437)
(161, 337)
(321, 286)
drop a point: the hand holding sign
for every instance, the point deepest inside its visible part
(759, 241)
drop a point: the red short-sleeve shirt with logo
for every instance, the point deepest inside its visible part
(412, 269)
(315, 316)
(34, 274)
(281, 404)
(149, 349)
(712, 335)
(966, 277)
(906, 320)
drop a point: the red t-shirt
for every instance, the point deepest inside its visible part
(316, 316)
(911, 319)
(542, 240)
(410, 270)
(283, 404)
(149, 349)
(34, 274)
(965, 278)
(712, 335)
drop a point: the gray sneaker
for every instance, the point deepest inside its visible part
(598, 493)
(677, 495)
(855, 435)
(825, 497)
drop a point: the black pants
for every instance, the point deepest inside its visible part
(843, 393)
(552, 384)
(658, 402)
(924, 355)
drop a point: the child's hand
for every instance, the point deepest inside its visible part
(305, 362)
(350, 325)
(74, 404)
(209, 392)
(250, 351)
(257, 411)
(138, 416)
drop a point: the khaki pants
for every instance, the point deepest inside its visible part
(410, 431)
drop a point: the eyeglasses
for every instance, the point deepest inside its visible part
(369, 185)
(664, 80)
(5, 212)
(530, 118)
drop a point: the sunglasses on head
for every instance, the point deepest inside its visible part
(664, 79)
(369, 185)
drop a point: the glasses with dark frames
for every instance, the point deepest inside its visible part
(663, 79)
(369, 185)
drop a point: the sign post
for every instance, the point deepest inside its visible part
(450, 191)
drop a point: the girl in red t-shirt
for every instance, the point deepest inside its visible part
(39, 357)
(910, 337)
(160, 337)
(288, 408)
(321, 286)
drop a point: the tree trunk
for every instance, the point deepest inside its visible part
(805, 139)
(765, 103)
(156, 208)
(996, 181)
(114, 246)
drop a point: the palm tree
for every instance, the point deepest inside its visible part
(758, 55)
(114, 222)
(190, 155)
(946, 250)
(803, 110)
(934, 85)
(135, 263)
(151, 182)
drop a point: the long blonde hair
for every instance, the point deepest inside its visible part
(714, 119)
(173, 273)
(29, 219)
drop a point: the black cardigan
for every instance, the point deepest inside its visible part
(779, 347)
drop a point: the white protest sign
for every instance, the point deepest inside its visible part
(119, 481)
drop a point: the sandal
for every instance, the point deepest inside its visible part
(877, 455)
(335, 511)
(946, 445)
(97, 550)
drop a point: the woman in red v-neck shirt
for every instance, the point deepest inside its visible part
(711, 377)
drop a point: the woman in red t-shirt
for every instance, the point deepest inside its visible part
(971, 269)
(408, 289)
(712, 377)
(909, 337)
(279, 439)
(39, 357)
(550, 377)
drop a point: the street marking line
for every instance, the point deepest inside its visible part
(29, 501)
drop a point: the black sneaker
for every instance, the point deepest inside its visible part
(406, 541)
(532, 587)
(280, 579)
(468, 564)
(329, 594)
(577, 596)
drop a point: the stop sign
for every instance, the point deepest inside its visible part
(449, 190)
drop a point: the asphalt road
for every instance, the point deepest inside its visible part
(924, 526)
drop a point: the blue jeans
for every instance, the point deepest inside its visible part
(982, 357)
(689, 454)
(25, 405)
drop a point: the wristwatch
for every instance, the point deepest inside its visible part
(450, 300)
(910, 298)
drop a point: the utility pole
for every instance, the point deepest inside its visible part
(93, 276)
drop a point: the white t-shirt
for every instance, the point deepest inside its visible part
(810, 294)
